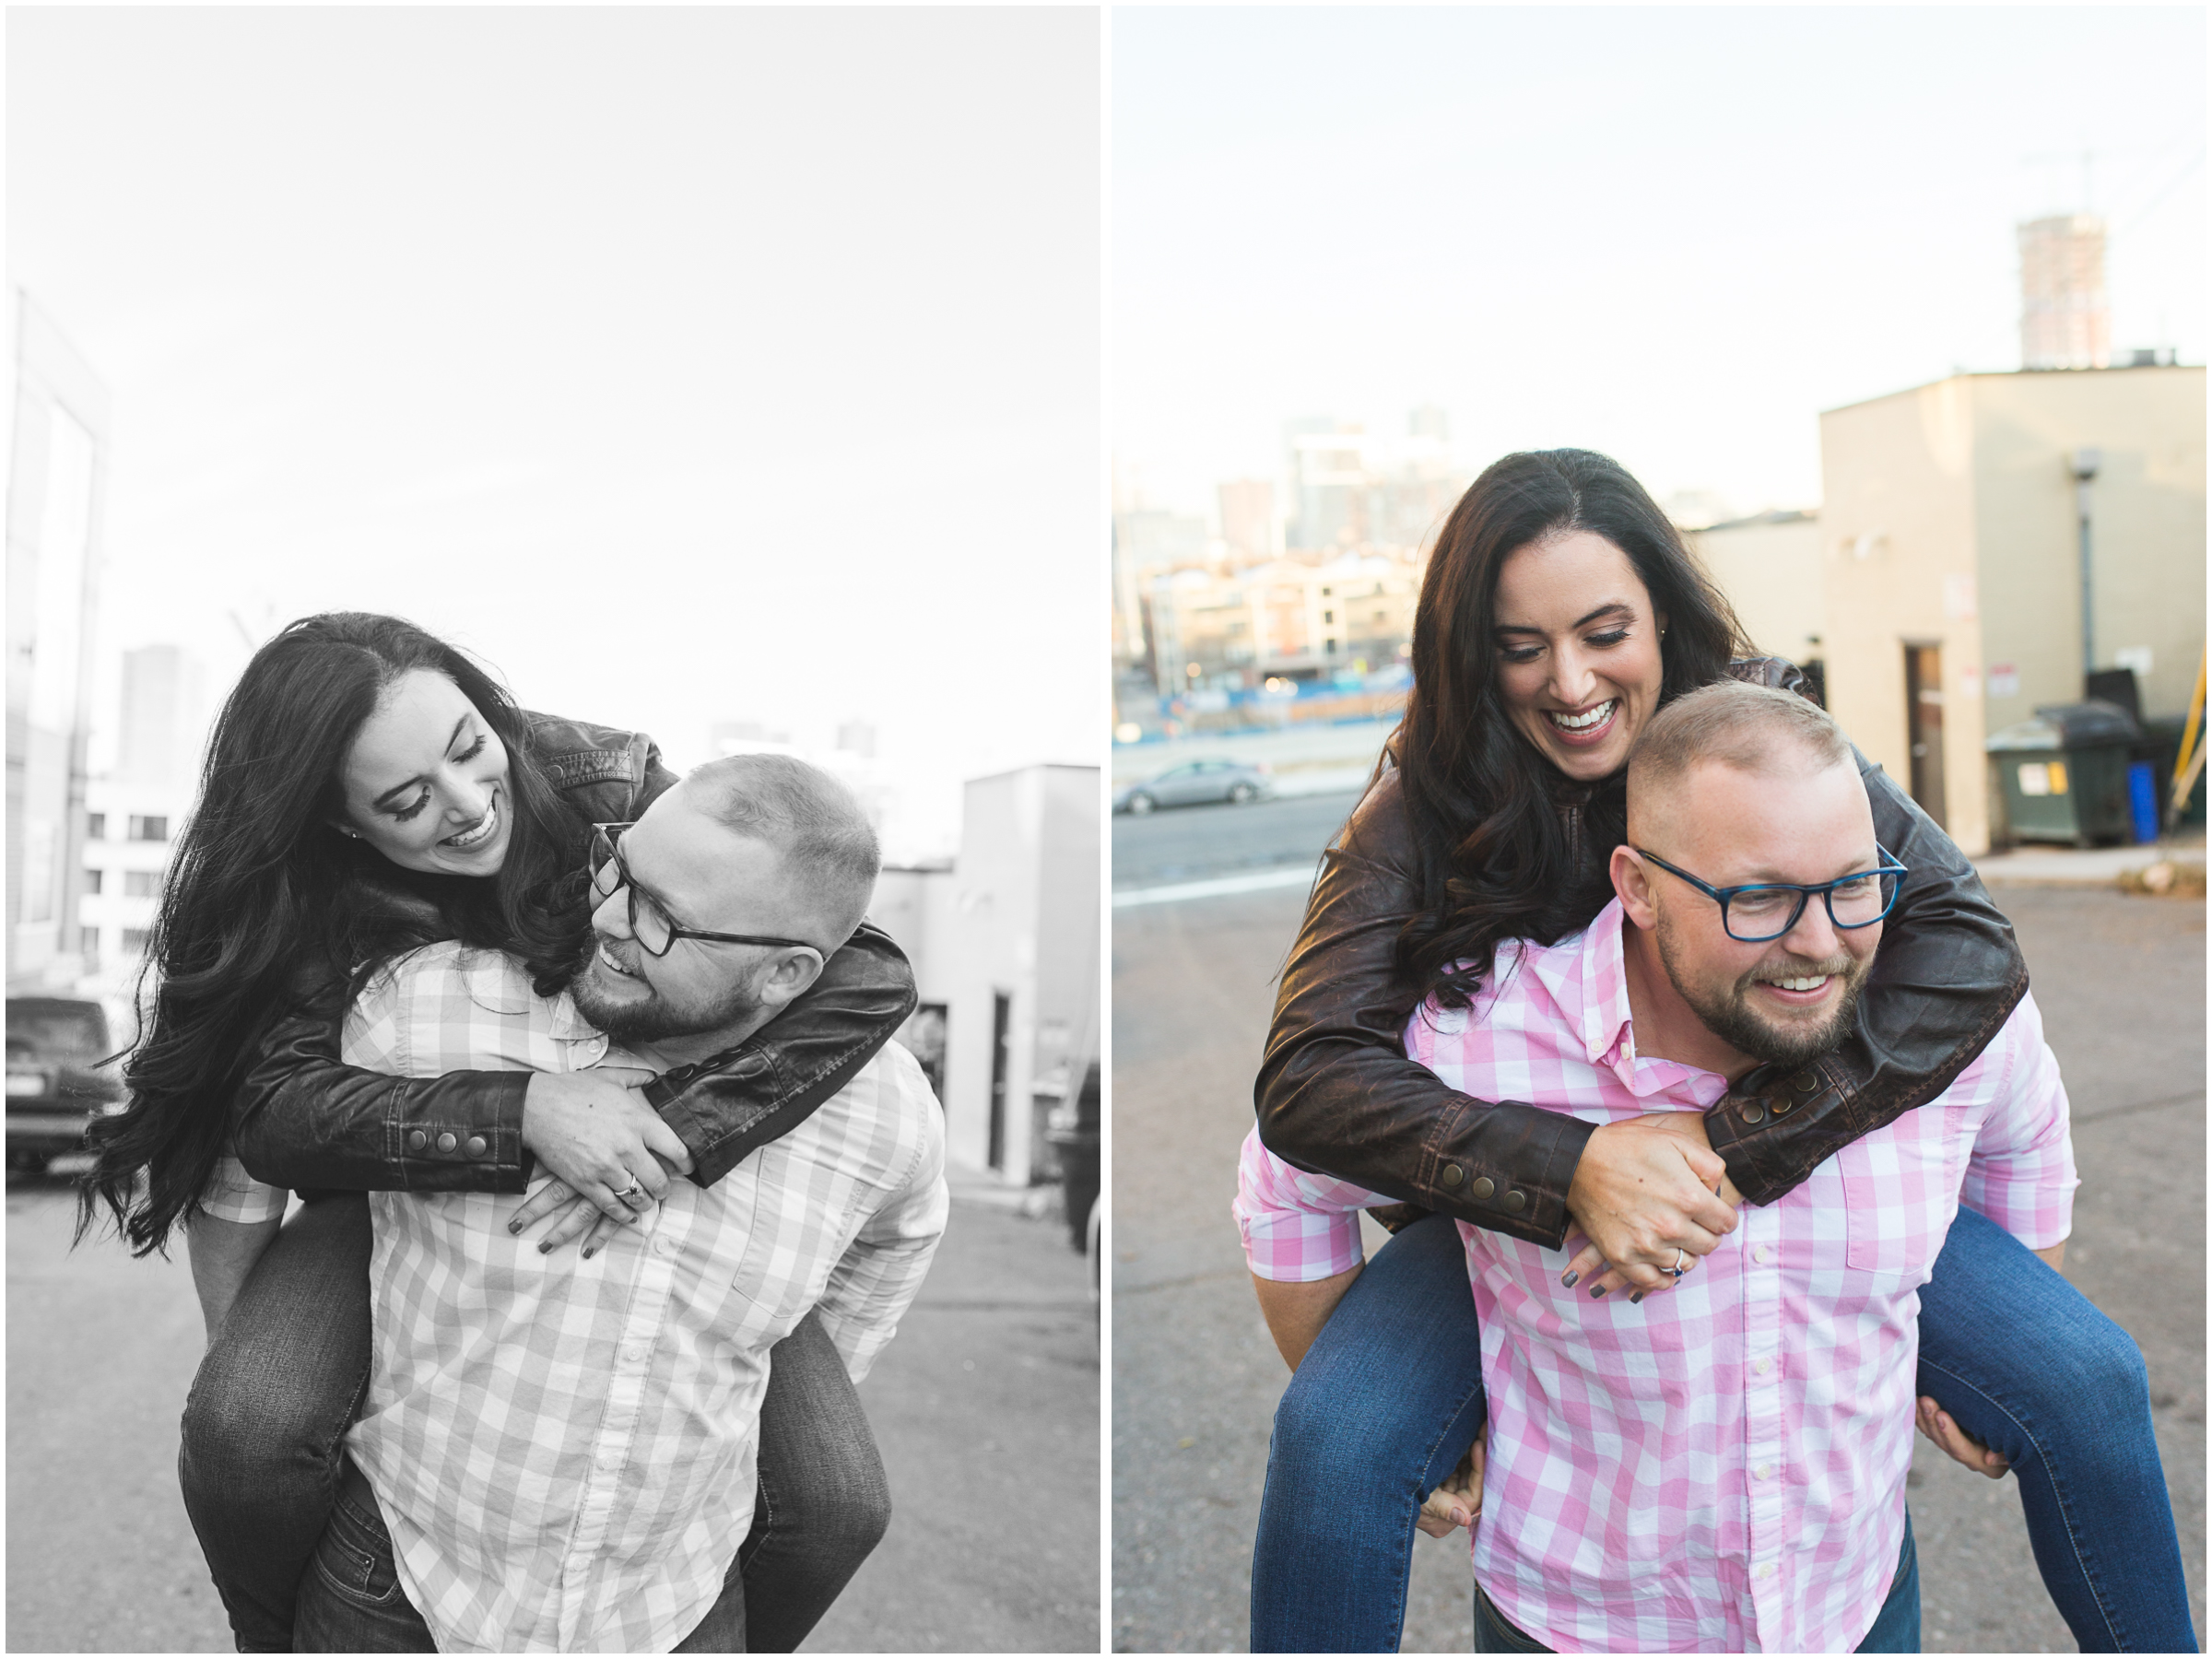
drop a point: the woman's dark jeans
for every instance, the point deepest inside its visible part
(1389, 1398)
(261, 1458)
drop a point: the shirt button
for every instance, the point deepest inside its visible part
(635, 1353)
(610, 1461)
(1762, 1255)
(1484, 1186)
(478, 1146)
(1764, 1367)
(416, 1140)
(448, 1141)
(664, 1244)
(1764, 1471)
(1765, 1569)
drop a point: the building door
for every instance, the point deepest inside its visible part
(1002, 1007)
(1923, 726)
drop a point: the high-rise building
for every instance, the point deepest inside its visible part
(55, 484)
(163, 716)
(1248, 523)
(2066, 319)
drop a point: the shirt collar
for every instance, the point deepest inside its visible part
(1586, 977)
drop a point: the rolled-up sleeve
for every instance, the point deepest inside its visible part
(2021, 1172)
(1297, 1227)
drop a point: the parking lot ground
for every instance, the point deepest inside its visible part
(2121, 983)
(990, 1392)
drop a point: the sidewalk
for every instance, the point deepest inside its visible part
(2078, 866)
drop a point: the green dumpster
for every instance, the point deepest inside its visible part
(2062, 776)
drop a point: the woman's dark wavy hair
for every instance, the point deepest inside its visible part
(264, 899)
(1485, 805)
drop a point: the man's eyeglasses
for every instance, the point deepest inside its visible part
(654, 929)
(1767, 910)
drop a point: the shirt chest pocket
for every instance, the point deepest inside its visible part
(795, 1230)
(1900, 1187)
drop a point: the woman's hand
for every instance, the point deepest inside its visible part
(1457, 1500)
(1643, 1190)
(580, 1219)
(1937, 1424)
(603, 1140)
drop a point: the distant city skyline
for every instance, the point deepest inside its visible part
(1674, 234)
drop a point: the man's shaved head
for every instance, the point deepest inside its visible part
(1753, 729)
(829, 855)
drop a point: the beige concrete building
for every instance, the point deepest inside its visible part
(1005, 946)
(1951, 564)
(1769, 568)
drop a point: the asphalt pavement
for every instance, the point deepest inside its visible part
(989, 1395)
(2121, 983)
(1184, 843)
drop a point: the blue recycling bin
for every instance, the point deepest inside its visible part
(2143, 800)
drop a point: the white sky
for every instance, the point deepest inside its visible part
(687, 364)
(1672, 234)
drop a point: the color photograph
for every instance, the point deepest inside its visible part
(1657, 862)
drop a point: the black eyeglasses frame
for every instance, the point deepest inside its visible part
(604, 836)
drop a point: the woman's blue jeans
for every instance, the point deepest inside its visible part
(261, 1458)
(1390, 1397)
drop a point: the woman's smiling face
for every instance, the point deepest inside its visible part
(1577, 652)
(426, 781)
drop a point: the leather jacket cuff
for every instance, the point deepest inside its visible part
(465, 1137)
(1505, 1167)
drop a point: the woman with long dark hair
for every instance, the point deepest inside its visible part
(368, 789)
(1559, 608)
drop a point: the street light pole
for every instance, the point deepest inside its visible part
(2084, 463)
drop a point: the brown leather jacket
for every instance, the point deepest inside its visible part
(305, 1119)
(1336, 1093)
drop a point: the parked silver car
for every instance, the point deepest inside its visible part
(1194, 782)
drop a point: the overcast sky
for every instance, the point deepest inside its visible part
(688, 364)
(1672, 234)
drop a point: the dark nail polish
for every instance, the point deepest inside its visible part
(1569, 1280)
(514, 1227)
(1597, 1290)
(587, 1254)
(542, 1248)
(1636, 1297)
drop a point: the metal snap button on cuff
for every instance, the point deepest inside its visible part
(478, 1146)
(416, 1140)
(1755, 1113)
(448, 1141)
(1485, 1186)
(1516, 1201)
(1453, 1175)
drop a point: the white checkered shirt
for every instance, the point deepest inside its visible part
(564, 1449)
(1720, 1468)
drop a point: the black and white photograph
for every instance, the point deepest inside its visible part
(556, 711)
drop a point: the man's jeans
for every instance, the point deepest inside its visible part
(1896, 1628)
(351, 1601)
(261, 1463)
(1390, 1397)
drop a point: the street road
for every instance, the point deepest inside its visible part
(2121, 983)
(987, 1399)
(1184, 843)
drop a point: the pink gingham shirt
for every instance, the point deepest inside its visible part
(1721, 1466)
(564, 1449)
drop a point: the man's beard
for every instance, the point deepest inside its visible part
(656, 1015)
(1728, 1013)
